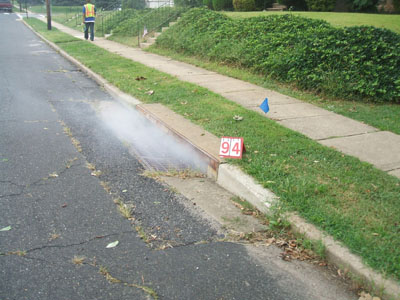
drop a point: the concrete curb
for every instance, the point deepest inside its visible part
(236, 181)
(344, 259)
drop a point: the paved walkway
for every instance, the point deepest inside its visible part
(380, 148)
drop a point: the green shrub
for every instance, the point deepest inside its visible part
(188, 3)
(222, 4)
(351, 63)
(244, 5)
(323, 5)
(208, 3)
(365, 5)
(396, 4)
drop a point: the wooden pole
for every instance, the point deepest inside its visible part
(48, 15)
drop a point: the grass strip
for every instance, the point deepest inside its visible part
(351, 200)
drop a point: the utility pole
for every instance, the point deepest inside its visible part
(48, 15)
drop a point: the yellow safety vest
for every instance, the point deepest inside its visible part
(89, 10)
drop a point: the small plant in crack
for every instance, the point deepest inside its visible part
(18, 253)
(69, 162)
(106, 186)
(123, 208)
(54, 236)
(111, 279)
(90, 166)
(78, 260)
(68, 132)
(103, 271)
(142, 234)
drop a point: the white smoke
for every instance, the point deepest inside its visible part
(147, 140)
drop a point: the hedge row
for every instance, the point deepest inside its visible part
(350, 63)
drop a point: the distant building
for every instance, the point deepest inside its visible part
(159, 3)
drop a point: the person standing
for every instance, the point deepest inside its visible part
(89, 16)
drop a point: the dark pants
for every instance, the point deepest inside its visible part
(89, 25)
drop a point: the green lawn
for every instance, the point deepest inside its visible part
(41, 9)
(351, 200)
(391, 22)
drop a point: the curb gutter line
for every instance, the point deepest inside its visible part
(236, 181)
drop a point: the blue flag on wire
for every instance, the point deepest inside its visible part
(264, 106)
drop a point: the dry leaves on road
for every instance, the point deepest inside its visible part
(366, 296)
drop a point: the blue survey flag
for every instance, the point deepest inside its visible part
(264, 106)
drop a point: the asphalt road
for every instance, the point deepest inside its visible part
(62, 217)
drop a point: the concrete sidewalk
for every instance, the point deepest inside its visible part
(380, 148)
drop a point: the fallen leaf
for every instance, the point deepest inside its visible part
(4, 160)
(184, 102)
(238, 118)
(96, 173)
(270, 241)
(113, 244)
(53, 175)
(150, 92)
(6, 228)
(365, 296)
(124, 191)
(140, 78)
(64, 205)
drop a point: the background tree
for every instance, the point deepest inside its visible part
(134, 4)
(189, 3)
(222, 4)
(244, 5)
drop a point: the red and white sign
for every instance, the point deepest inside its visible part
(231, 147)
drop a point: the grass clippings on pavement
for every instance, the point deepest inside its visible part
(351, 200)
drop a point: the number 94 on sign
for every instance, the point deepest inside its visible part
(231, 147)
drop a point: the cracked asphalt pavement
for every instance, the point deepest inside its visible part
(62, 217)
